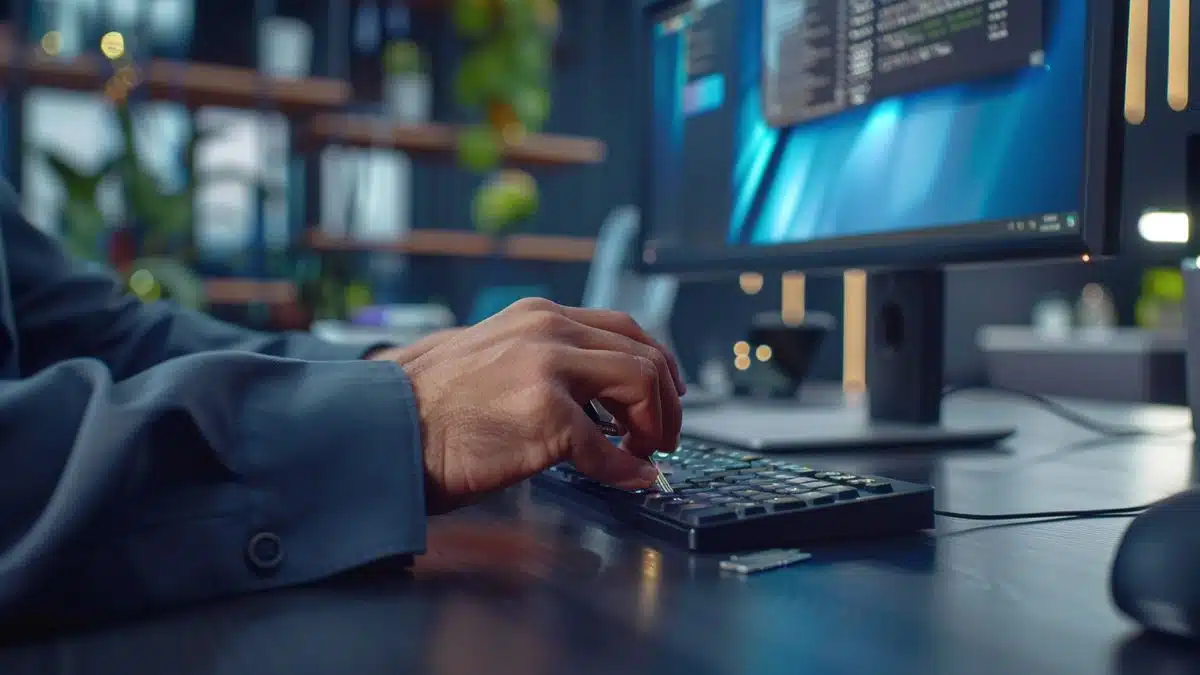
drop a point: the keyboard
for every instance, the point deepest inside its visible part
(726, 499)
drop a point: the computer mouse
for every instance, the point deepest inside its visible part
(1155, 576)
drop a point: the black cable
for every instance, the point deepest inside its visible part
(1042, 515)
(1078, 419)
(1063, 412)
(1022, 523)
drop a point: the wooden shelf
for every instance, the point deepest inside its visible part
(230, 291)
(435, 139)
(193, 84)
(463, 244)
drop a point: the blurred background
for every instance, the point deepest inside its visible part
(365, 166)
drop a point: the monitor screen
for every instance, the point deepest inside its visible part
(794, 127)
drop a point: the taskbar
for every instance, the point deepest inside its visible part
(1048, 226)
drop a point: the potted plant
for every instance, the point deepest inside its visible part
(82, 226)
(505, 80)
(407, 86)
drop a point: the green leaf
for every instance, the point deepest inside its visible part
(77, 184)
(403, 56)
(177, 281)
(479, 148)
(472, 18)
(82, 227)
(483, 74)
(532, 107)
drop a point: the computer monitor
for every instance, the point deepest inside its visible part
(897, 137)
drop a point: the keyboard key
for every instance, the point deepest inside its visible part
(787, 503)
(872, 485)
(709, 515)
(817, 498)
(829, 475)
(655, 501)
(757, 495)
(841, 492)
(748, 508)
(675, 509)
(669, 502)
(813, 485)
(793, 490)
(720, 500)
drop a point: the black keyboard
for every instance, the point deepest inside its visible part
(729, 500)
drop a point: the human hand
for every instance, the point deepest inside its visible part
(402, 355)
(504, 399)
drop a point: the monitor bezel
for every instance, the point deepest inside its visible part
(1100, 202)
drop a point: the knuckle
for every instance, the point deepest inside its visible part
(648, 371)
(533, 305)
(659, 359)
(544, 323)
(549, 362)
(628, 322)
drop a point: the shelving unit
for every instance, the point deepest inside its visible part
(192, 84)
(316, 106)
(466, 244)
(436, 141)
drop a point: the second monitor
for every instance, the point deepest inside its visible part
(898, 137)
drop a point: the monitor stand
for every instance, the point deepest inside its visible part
(905, 364)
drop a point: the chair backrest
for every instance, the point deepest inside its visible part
(614, 244)
(613, 284)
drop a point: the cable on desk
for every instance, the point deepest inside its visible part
(1063, 412)
(1040, 515)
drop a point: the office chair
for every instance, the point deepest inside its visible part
(612, 284)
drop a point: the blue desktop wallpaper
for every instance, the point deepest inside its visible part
(990, 150)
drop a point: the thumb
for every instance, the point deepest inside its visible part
(593, 455)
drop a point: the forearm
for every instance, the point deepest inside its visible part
(144, 493)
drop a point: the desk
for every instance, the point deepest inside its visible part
(521, 586)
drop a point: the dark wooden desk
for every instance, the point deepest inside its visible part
(524, 587)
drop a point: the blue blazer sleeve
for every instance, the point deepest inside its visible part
(152, 457)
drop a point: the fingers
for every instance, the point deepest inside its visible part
(596, 457)
(623, 324)
(627, 384)
(670, 410)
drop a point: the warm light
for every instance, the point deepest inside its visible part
(854, 333)
(751, 282)
(648, 597)
(763, 353)
(741, 348)
(1086, 258)
(52, 43)
(113, 45)
(742, 362)
(792, 294)
(1165, 227)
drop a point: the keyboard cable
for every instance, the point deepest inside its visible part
(1066, 413)
(1080, 420)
